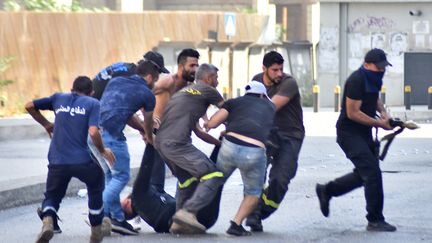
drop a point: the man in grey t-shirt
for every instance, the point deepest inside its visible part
(284, 92)
(198, 177)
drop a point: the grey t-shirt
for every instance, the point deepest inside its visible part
(184, 110)
(289, 118)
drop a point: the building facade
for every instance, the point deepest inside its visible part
(348, 29)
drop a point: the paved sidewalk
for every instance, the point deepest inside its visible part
(24, 145)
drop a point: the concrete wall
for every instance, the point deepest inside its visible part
(349, 30)
(328, 52)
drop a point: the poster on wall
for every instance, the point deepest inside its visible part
(398, 43)
(378, 40)
(355, 45)
(328, 50)
(420, 41)
(420, 27)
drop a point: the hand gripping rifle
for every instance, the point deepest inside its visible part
(400, 126)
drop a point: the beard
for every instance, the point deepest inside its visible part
(188, 76)
(273, 80)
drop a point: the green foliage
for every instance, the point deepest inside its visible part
(36, 5)
(306, 97)
(47, 5)
(4, 64)
(280, 32)
(247, 10)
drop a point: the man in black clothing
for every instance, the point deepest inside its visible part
(354, 135)
(249, 119)
(284, 93)
(157, 207)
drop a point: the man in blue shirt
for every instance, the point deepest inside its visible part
(122, 98)
(76, 117)
(124, 69)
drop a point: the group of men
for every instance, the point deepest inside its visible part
(263, 128)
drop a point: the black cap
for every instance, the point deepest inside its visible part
(377, 57)
(157, 59)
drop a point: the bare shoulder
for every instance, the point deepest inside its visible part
(165, 83)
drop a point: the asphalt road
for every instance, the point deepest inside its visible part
(408, 194)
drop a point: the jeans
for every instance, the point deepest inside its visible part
(158, 172)
(251, 161)
(58, 179)
(117, 178)
(360, 149)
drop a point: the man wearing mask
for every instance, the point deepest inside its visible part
(354, 135)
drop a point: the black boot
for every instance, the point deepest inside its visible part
(324, 199)
(254, 222)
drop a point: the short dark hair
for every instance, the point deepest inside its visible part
(272, 57)
(185, 53)
(205, 70)
(82, 84)
(146, 67)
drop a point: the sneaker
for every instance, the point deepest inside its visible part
(237, 230)
(47, 231)
(122, 227)
(254, 222)
(381, 226)
(57, 229)
(324, 199)
(189, 221)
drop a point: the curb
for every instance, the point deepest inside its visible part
(27, 194)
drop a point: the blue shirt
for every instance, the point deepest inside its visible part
(74, 114)
(123, 96)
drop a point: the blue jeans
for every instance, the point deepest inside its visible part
(251, 162)
(116, 178)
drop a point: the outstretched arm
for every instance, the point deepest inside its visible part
(220, 116)
(205, 136)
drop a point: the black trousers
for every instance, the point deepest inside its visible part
(58, 179)
(360, 149)
(283, 169)
(157, 207)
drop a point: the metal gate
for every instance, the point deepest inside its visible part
(418, 74)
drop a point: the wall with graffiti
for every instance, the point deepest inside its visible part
(394, 27)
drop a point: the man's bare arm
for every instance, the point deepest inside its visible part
(205, 136)
(218, 118)
(136, 123)
(35, 113)
(97, 141)
(279, 101)
(354, 113)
